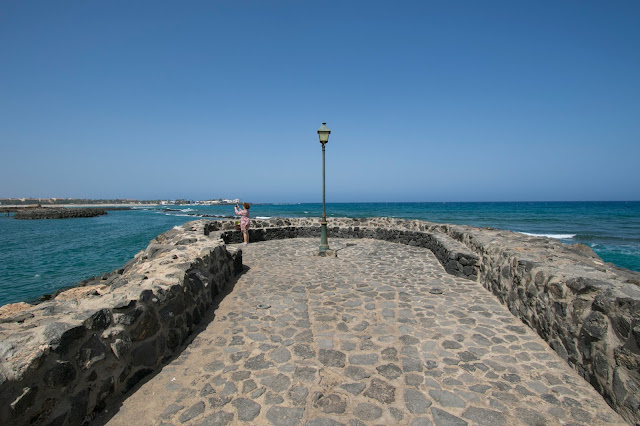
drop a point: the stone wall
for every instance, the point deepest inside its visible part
(588, 311)
(454, 256)
(91, 344)
(69, 357)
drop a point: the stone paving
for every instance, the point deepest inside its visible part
(379, 335)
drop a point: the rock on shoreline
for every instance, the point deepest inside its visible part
(58, 213)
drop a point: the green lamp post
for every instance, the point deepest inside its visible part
(323, 134)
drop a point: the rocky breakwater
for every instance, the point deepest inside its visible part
(57, 213)
(587, 310)
(65, 359)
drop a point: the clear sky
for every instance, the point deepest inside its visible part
(426, 100)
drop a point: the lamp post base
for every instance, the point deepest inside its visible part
(324, 244)
(327, 253)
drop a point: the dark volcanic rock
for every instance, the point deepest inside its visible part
(58, 213)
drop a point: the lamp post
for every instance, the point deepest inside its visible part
(323, 134)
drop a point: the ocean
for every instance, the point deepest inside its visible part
(41, 256)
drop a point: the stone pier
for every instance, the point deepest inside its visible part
(381, 334)
(411, 323)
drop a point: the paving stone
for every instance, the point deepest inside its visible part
(354, 388)
(363, 359)
(235, 357)
(214, 366)
(247, 409)
(272, 398)
(280, 355)
(367, 412)
(389, 371)
(330, 404)
(411, 365)
(450, 344)
(513, 378)
(551, 399)
(484, 417)
(306, 374)
(171, 410)
(467, 356)
(447, 399)
(323, 422)
(332, 358)
(356, 373)
(421, 421)
(348, 346)
(277, 383)
(191, 412)
(305, 336)
(409, 340)
(298, 395)
(285, 416)
(361, 326)
(220, 418)
(396, 414)
(259, 337)
(412, 379)
(480, 388)
(249, 386)
(381, 391)
(531, 417)
(229, 389)
(580, 415)
(219, 401)
(257, 363)
(304, 351)
(416, 402)
(390, 354)
(238, 376)
(258, 392)
(443, 418)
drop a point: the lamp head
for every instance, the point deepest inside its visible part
(323, 133)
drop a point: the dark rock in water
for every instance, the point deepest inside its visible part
(58, 213)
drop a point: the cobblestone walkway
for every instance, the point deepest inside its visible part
(361, 339)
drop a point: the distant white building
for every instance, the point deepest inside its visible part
(216, 202)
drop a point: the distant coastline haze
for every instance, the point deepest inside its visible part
(426, 100)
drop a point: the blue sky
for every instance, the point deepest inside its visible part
(426, 100)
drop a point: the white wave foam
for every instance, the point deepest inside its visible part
(263, 217)
(557, 236)
(186, 210)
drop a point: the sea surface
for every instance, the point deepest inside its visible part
(41, 256)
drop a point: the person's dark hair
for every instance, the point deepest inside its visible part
(246, 205)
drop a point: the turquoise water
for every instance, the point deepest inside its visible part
(39, 257)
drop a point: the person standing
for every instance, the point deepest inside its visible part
(244, 220)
